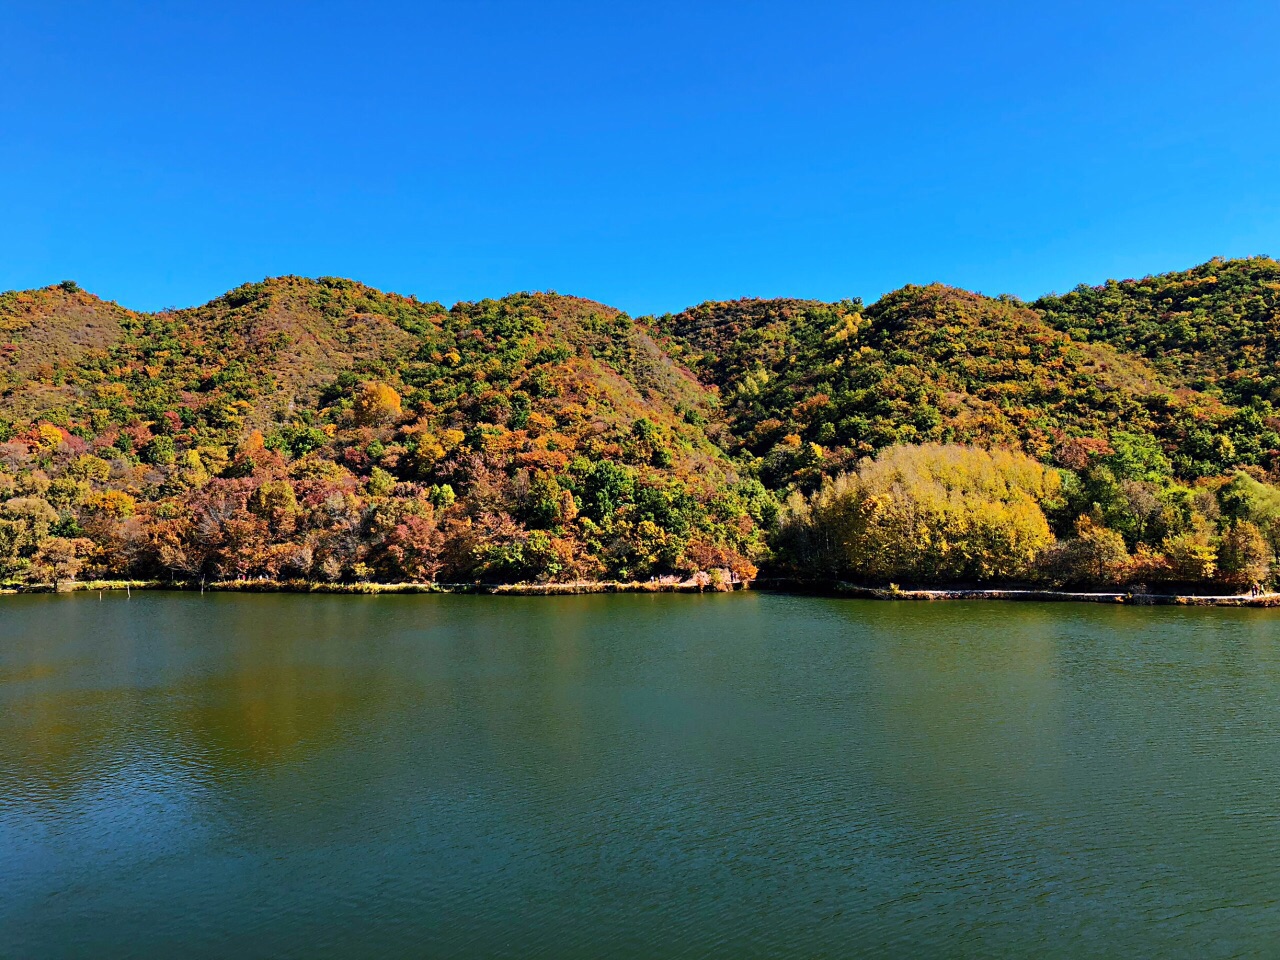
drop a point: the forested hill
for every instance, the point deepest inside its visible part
(1214, 327)
(808, 385)
(321, 429)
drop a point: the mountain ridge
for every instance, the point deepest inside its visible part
(542, 436)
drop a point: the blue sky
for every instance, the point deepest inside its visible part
(650, 155)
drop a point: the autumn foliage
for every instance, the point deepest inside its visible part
(321, 430)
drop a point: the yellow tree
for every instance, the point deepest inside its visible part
(375, 403)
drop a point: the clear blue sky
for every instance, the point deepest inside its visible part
(650, 155)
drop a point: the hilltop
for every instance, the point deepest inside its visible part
(807, 385)
(325, 430)
(1215, 327)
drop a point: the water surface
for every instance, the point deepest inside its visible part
(635, 776)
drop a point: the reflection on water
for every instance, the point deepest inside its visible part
(635, 776)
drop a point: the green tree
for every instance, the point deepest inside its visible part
(1244, 556)
(1192, 554)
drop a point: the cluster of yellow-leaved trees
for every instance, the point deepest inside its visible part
(936, 513)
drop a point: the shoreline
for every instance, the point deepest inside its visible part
(1024, 595)
(376, 589)
(829, 589)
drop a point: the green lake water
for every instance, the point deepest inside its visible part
(726, 776)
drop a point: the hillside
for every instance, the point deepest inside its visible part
(1215, 327)
(811, 387)
(49, 340)
(325, 430)
(322, 428)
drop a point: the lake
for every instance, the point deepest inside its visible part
(635, 776)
